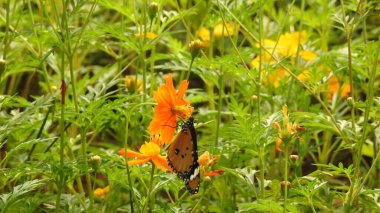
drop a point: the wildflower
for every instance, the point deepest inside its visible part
(287, 131)
(101, 192)
(149, 35)
(130, 84)
(204, 34)
(287, 46)
(334, 87)
(225, 30)
(149, 151)
(171, 104)
(205, 161)
(195, 48)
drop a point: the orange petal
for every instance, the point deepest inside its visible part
(167, 133)
(204, 158)
(213, 173)
(130, 153)
(182, 89)
(162, 163)
(278, 143)
(138, 161)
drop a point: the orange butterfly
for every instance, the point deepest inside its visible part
(183, 156)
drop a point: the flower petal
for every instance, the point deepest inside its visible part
(213, 173)
(138, 161)
(162, 163)
(131, 153)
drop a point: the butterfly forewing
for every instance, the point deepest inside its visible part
(181, 154)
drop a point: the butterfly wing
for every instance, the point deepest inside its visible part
(183, 153)
(180, 154)
(193, 185)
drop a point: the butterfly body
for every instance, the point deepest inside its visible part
(183, 156)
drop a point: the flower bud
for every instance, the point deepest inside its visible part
(152, 10)
(294, 158)
(350, 101)
(254, 97)
(207, 179)
(195, 48)
(96, 159)
(283, 184)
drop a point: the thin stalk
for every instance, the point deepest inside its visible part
(262, 171)
(220, 101)
(62, 131)
(69, 53)
(200, 200)
(189, 71)
(147, 201)
(286, 173)
(88, 177)
(152, 61)
(260, 64)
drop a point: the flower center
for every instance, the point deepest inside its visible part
(183, 111)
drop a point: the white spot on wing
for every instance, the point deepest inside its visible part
(195, 173)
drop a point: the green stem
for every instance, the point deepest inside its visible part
(189, 71)
(286, 173)
(220, 101)
(88, 177)
(62, 132)
(262, 171)
(147, 201)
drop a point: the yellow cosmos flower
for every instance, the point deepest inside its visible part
(204, 34)
(149, 151)
(101, 192)
(287, 46)
(221, 30)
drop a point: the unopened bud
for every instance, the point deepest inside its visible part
(207, 179)
(195, 48)
(254, 97)
(350, 101)
(96, 159)
(293, 158)
(283, 184)
(152, 10)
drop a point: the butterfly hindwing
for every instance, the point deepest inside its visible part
(192, 185)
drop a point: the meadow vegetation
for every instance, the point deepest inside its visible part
(285, 97)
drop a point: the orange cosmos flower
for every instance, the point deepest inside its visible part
(205, 161)
(148, 152)
(171, 104)
(334, 87)
(287, 131)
